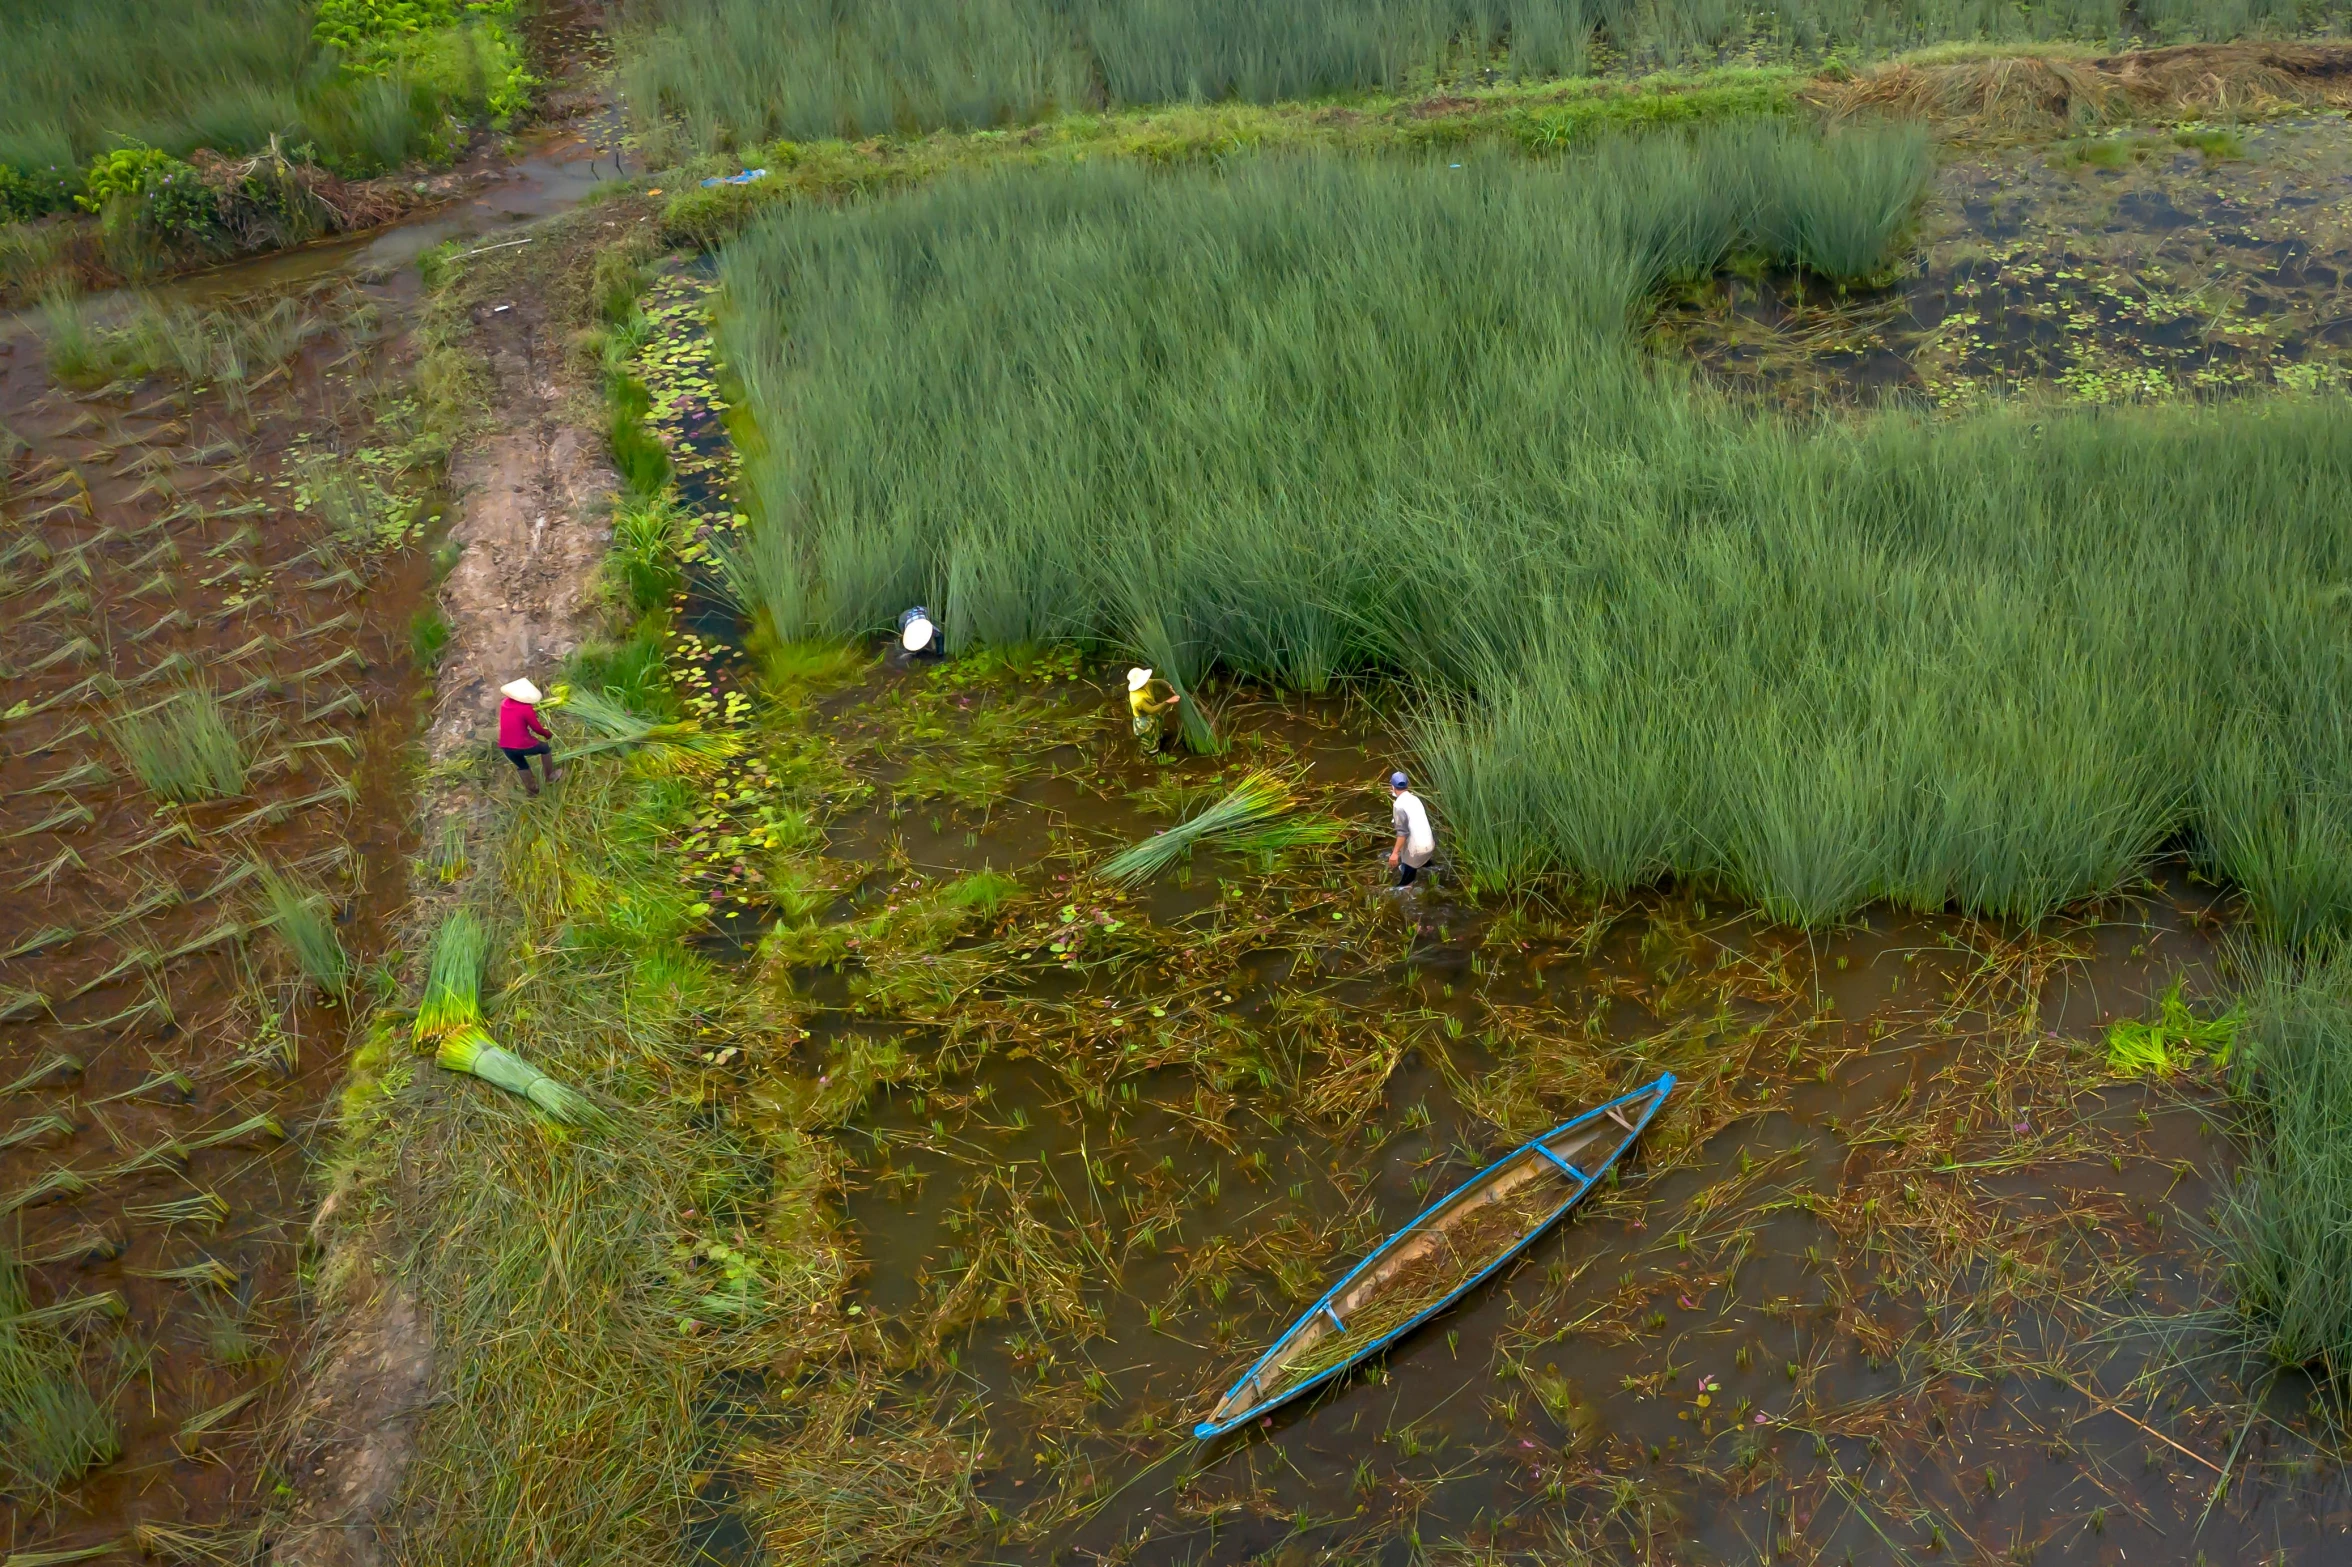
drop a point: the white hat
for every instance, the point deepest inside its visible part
(917, 635)
(1137, 679)
(522, 691)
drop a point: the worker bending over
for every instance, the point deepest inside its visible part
(1149, 713)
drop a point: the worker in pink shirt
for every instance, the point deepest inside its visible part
(521, 733)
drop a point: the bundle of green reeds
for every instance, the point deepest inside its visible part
(609, 726)
(1245, 821)
(449, 1018)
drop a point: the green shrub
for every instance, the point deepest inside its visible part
(26, 194)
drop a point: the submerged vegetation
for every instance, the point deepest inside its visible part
(735, 72)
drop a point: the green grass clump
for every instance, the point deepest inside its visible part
(184, 748)
(52, 1426)
(734, 72)
(1400, 420)
(305, 921)
(2285, 1226)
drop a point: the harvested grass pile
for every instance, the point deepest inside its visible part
(450, 1019)
(2035, 94)
(1245, 821)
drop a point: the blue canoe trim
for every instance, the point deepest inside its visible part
(1656, 1091)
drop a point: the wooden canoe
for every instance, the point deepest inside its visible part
(1441, 1256)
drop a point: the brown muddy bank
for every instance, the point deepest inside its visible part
(260, 536)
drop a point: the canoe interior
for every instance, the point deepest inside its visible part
(1440, 1254)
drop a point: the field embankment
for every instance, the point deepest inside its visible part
(139, 138)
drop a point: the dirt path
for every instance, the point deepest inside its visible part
(534, 517)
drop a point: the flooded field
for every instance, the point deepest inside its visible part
(1901, 1265)
(1904, 1270)
(2139, 264)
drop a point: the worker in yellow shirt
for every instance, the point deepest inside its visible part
(1149, 713)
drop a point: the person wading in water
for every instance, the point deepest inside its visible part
(1149, 714)
(522, 734)
(1416, 840)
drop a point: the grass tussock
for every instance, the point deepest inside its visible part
(733, 72)
(185, 748)
(2285, 1227)
(52, 1426)
(304, 919)
(1399, 420)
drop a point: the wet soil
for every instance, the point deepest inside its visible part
(163, 534)
(2141, 264)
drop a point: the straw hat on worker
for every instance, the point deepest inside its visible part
(523, 734)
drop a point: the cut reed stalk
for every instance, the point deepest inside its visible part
(54, 1071)
(208, 1209)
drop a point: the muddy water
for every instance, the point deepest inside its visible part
(2141, 264)
(1880, 1284)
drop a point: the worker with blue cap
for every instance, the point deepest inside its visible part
(1416, 840)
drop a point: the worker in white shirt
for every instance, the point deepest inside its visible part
(1416, 842)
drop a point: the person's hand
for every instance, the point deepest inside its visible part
(1175, 697)
(1392, 859)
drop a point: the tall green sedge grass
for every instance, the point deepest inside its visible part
(228, 75)
(2285, 1225)
(52, 1426)
(185, 748)
(741, 71)
(1298, 418)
